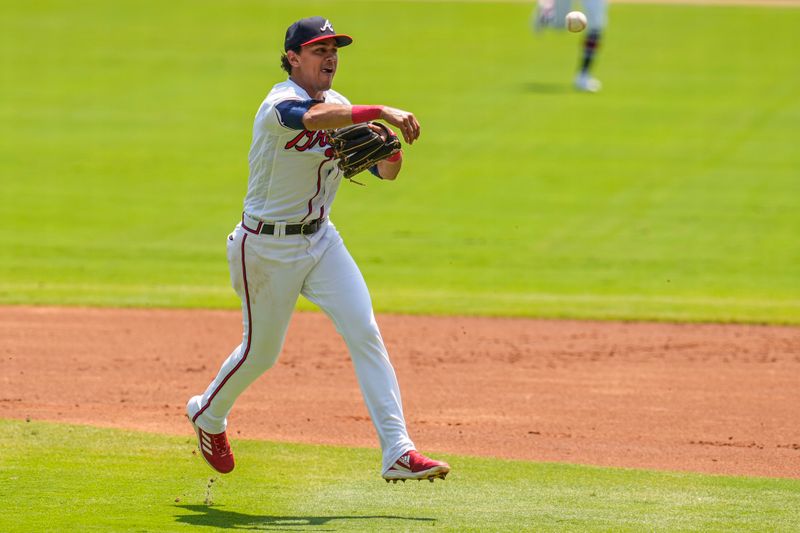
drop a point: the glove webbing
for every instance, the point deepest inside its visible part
(359, 147)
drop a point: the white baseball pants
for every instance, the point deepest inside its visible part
(268, 273)
(596, 12)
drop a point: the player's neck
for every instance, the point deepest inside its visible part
(315, 94)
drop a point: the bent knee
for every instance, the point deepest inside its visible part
(262, 355)
(362, 332)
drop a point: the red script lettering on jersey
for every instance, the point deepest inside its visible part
(307, 139)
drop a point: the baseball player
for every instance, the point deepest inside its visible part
(286, 245)
(552, 13)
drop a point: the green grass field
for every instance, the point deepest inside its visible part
(671, 195)
(74, 478)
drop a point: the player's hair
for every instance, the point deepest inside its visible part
(285, 65)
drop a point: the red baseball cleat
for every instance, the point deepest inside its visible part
(215, 449)
(414, 465)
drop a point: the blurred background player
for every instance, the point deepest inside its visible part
(551, 14)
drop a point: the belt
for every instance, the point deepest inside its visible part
(295, 229)
(289, 229)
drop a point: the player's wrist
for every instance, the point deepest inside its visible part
(397, 156)
(365, 113)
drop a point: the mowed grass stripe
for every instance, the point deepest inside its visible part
(435, 301)
(76, 478)
(126, 129)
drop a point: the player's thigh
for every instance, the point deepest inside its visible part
(265, 268)
(562, 7)
(337, 286)
(596, 13)
(268, 284)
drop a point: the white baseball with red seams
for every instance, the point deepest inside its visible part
(293, 179)
(576, 21)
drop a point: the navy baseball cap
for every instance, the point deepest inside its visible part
(310, 30)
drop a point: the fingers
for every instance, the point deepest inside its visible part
(407, 122)
(415, 128)
(377, 129)
(410, 128)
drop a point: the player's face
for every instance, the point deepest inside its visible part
(317, 66)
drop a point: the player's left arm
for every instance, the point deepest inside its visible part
(325, 116)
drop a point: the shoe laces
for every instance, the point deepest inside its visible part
(221, 446)
(418, 460)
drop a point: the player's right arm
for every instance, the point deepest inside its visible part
(324, 116)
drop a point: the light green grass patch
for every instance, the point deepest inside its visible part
(57, 477)
(125, 126)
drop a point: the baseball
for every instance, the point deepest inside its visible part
(576, 21)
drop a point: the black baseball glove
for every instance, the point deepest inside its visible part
(360, 146)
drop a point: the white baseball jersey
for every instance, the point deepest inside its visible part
(282, 186)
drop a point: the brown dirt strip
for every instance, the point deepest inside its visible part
(708, 398)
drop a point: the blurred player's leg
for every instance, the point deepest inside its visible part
(544, 14)
(596, 15)
(584, 81)
(552, 14)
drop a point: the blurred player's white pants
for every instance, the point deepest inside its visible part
(272, 271)
(596, 12)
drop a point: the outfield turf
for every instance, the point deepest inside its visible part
(671, 195)
(74, 478)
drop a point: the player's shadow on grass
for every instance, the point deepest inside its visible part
(220, 518)
(541, 87)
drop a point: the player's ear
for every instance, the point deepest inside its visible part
(293, 57)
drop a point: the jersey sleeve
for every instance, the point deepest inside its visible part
(288, 114)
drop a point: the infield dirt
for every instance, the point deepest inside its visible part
(707, 398)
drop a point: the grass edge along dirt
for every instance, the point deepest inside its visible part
(110, 479)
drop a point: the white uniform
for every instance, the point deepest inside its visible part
(294, 179)
(552, 13)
